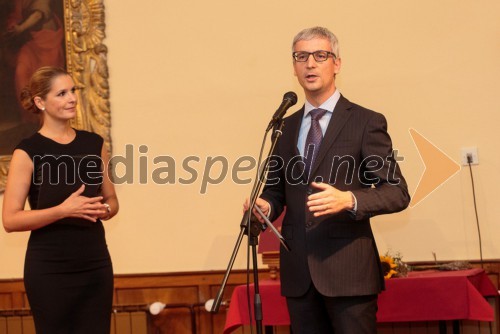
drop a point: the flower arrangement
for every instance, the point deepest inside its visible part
(394, 266)
(388, 266)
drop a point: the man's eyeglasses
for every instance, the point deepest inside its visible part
(319, 56)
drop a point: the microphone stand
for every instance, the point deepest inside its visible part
(252, 227)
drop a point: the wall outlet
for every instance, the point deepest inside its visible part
(469, 151)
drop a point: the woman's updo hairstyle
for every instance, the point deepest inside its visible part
(39, 85)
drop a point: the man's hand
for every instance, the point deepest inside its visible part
(329, 200)
(263, 205)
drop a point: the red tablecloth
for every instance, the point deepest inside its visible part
(422, 296)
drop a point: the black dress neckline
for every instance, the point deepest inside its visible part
(58, 143)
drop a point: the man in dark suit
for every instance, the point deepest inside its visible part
(333, 168)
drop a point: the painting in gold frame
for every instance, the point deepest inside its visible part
(86, 60)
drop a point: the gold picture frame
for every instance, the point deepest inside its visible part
(86, 61)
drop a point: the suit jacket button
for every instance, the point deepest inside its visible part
(309, 191)
(309, 224)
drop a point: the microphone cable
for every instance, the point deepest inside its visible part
(469, 162)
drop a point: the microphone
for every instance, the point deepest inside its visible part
(289, 99)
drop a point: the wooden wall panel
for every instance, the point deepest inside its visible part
(122, 323)
(186, 294)
(6, 301)
(14, 325)
(3, 325)
(28, 325)
(139, 323)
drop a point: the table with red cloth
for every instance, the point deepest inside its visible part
(422, 296)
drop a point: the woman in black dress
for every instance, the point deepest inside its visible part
(63, 173)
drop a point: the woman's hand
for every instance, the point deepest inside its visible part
(78, 206)
(107, 213)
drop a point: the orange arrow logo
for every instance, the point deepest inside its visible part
(439, 167)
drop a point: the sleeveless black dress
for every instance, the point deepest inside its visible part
(68, 273)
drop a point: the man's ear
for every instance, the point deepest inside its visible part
(338, 63)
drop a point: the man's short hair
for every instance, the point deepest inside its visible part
(318, 32)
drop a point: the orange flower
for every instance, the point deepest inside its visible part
(388, 266)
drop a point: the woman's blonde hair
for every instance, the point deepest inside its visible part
(39, 85)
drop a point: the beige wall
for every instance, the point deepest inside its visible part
(203, 78)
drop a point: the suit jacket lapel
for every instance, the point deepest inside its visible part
(293, 122)
(290, 138)
(340, 116)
